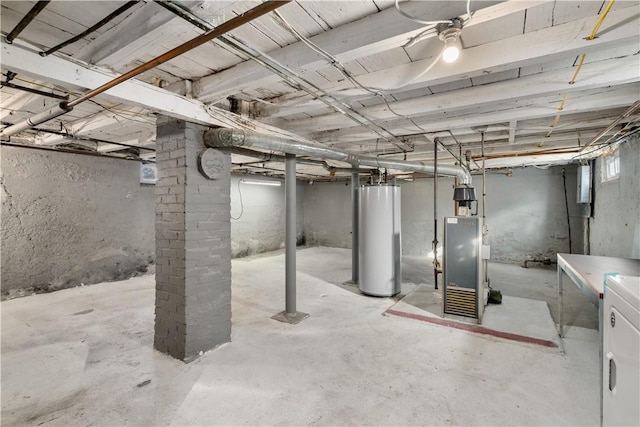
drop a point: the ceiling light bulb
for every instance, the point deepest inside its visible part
(450, 53)
(452, 45)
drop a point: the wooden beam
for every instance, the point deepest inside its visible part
(83, 127)
(128, 35)
(620, 96)
(513, 124)
(516, 90)
(546, 45)
(23, 58)
(109, 148)
(368, 36)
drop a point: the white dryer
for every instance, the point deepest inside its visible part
(621, 352)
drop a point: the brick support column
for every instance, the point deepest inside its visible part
(193, 244)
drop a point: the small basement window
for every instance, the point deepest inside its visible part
(611, 167)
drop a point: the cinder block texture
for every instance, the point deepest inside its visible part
(193, 245)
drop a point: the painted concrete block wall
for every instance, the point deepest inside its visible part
(257, 221)
(327, 214)
(70, 219)
(615, 226)
(526, 214)
(417, 214)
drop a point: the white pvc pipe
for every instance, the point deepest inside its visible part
(35, 120)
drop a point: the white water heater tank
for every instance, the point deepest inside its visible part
(380, 243)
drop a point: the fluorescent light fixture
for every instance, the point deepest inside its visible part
(452, 45)
(270, 183)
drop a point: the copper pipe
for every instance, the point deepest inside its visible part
(531, 153)
(30, 16)
(229, 25)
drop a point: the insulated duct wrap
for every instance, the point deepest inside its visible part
(227, 138)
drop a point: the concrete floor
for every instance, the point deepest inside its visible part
(84, 356)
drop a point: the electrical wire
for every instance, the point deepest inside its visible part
(241, 204)
(377, 91)
(420, 21)
(115, 109)
(604, 146)
(341, 67)
(566, 205)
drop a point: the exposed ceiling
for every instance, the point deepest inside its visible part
(355, 75)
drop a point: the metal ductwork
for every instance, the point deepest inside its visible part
(227, 138)
(268, 157)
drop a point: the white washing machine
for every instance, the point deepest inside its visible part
(621, 352)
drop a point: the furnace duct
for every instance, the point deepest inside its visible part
(229, 138)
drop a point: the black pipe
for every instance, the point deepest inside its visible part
(435, 211)
(184, 13)
(36, 91)
(69, 151)
(88, 139)
(546, 261)
(35, 10)
(106, 20)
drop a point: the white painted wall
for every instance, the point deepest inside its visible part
(69, 219)
(327, 214)
(261, 216)
(526, 214)
(615, 226)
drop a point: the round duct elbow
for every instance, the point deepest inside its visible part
(224, 138)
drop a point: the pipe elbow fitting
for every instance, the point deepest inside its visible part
(224, 138)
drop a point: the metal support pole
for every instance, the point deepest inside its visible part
(485, 230)
(435, 242)
(355, 227)
(290, 314)
(290, 233)
(560, 302)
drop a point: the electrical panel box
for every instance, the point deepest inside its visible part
(463, 292)
(584, 184)
(621, 351)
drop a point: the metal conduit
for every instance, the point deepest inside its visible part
(600, 134)
(226, 138)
